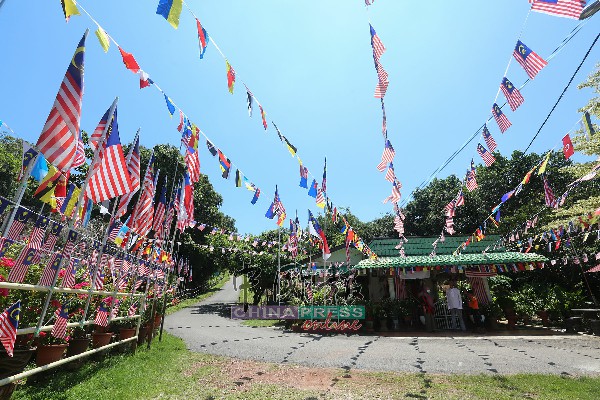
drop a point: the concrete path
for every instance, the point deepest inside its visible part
(206, 327)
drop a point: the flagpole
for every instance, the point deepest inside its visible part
(100, 145)
(279, 264)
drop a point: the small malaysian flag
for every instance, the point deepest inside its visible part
(376, 43)
(548, 194)
(309, 292)
(21, 218)
(559, 8)
(52, 237)
(471, 178)
(101, 316)
(390, 174)
(460, 199)
(381, 89)
(50, 270)
(450, 225)
(512, 94)
(489, 140)
(9, 323)
(79, 159)
(97, 134)
(395, 196)
(487, 157)
(99, 281)
(69, 278)
(132, 310)
(37, 234)
(114, 230)
(59, 330)
(387, 156)
(19, 269)
(501, 119)
(529, 60)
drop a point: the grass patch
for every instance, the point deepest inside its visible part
(215, 287)
(169, 371)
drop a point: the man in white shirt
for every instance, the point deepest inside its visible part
(455, 306)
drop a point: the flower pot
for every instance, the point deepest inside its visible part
(142, 334)
(126, 333)
(100, 339)
(77, 346)
(16, 364)
(49, 353)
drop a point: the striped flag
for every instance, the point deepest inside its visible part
(390, 175)
(487, 157)
(376, 43)
(395, 196)
(59, 137)
(471, 178)
(50, 270)
(387, 156)
(548, 194)
(383, 83)
(500, 117)
(133, 168)
(109, 177)
(79, 153)
(529, 60)
(489, 140)
(69, 278)
(309, 292)
(21, 218)
(59, 330)
(37, 234)
(97, 134)
(159, 215)
(512, 94)
(559, 8)
(143, 213)
(450, 225)
(193, 163)
(9, 323)
(114, 230)
(19, 269)
(132, 310)
(101, 316)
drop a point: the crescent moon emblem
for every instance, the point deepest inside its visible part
(15, 313)
(522, 49)
(79, 50)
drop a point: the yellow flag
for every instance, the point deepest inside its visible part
(72, 202)
(69, 8)
(103, 39)
(544, 163)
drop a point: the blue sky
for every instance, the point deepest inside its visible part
(310, 65)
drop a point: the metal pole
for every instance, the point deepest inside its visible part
(279, 264)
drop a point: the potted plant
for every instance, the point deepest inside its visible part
(79, 341)
(382, 315)
(492, 312)
(49, 349)
(395, 309)
(407, 310)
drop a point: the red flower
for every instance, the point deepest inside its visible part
(55, 303)
(61, 273)
(7, 262)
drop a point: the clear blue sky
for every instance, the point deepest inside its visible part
(310, 65)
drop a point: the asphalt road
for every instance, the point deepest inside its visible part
(206, 327)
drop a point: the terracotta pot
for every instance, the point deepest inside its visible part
(49, 353)
(126, 333)
(77, 346)
(6, 391)
(157, 319)
(100, 339)
(142, 334)
(16, 364)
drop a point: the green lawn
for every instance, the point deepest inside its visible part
(169, 371)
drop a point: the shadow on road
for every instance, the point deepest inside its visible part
(220, 309)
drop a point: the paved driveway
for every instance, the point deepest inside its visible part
(206, 327)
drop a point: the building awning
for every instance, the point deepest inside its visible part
(453, 260)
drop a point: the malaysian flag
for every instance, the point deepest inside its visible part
(159, 214)
(320, 199)
(383, 83)
(69, 278)
(101, 316)
(293, 240)
(309, 292)
(193, 164)
(133, 168)
(9, 323)
(487, 157)
(560, 8)
(471, 178)
(276, 208)
(99, 131)
(548, 194)
(376, 43)
(114, 230)
(79, 153)
(142, 214)
(450, 225)
(59, 330)
(395, 196)
(512, 94)
(59, 137)
(460, 199)
(109, 177)
(19, 269)
(99, 281)
(21, 218)
(387, 157)
(529, 60)
(390, 175)
(501, 119)
(71, 239)
(37, 234)
(132, 310)
(50, 270)
(489, 140)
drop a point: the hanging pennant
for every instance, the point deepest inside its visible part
(170, 10)
(103, 39)
(202, 38)
(230, 77)
(129, 61)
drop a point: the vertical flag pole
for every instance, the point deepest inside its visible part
(279, 264)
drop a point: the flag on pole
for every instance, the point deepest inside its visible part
(529, 60)
(376, 43)
(559, 8)
(79, 159)
(133, 168)
(59, 330)
(159, 214)
(193, 163)
(500, 117)
(9, 323)
(59, 137)
(548, 194)
(471, 178)
(109, 177)
(512, 94)
(276, 208)
(141, 218)
(487, 157)
(315, 229)
(101, 316)
(489, 140)
(97, 134)
(170, 10)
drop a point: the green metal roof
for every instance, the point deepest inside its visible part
(422, 246)
(447, 260)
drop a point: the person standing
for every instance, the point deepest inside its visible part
(474, 308)
(455, 306)
(427, 303)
